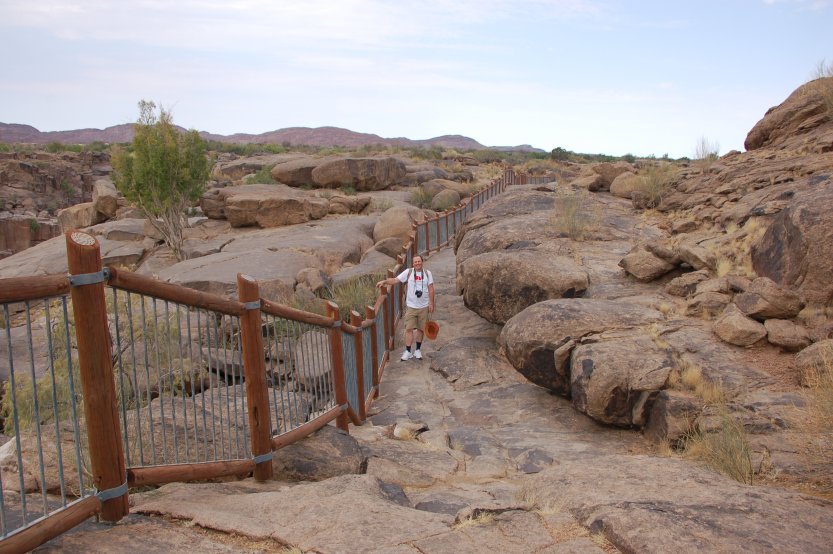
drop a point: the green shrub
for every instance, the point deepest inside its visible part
(420, 197)
(655, 181)
(354, 294)
(34, 225)
(5, 147)
(348, 190)
(263, 176)
(380, 204)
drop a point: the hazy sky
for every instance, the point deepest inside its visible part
(598, 76)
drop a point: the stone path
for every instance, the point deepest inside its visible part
(461, 454)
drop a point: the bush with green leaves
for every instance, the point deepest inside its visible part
(163, 172)
(420, 197)
(262, 176)
(354, 294)
(655, 181)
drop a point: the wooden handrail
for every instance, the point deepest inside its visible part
(142, 284)
(281, 310)
(21, 289)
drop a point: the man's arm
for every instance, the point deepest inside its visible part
(431, 298)
(389, 281)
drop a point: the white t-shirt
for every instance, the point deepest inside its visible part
(417, 281)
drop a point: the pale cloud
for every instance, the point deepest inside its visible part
(811, 5)
(246, 24)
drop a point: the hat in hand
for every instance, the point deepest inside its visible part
(432, 329)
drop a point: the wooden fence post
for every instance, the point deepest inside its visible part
(95, 361)
(254, 370)
(370, 313)
(337, 361)
(356, 321)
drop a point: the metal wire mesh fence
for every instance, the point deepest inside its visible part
(44, 463)
(180, 381)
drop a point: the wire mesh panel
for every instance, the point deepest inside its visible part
(367, 354)
(397, 300)
(433, 239)
(348, 348)
(422, 237)
(444, 229)
(180, 381)
(380, 336)
(42, 409)
(299, 372)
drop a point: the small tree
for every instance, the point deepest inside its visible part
(163, 172)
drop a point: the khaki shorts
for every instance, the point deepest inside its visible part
(416, 318)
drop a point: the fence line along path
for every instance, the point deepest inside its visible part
(115, 380)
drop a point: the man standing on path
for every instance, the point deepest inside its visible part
(419, 301)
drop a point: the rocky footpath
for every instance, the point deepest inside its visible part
(461, 453)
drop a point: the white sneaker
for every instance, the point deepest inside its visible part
(407, 356)
(418, 354)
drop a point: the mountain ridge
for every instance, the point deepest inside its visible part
(327, 136)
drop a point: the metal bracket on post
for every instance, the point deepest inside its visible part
(115, 492)
(263, 458)
(253, 305)
(90, 278)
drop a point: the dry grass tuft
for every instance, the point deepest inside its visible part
(706, 152)
(655, 181)
(532, 499)
(691, 378)
(656, 335)
(726, 450)
(420, 198)
(733, 254)
(823, 85)
(571, 216)
(476, 518)
(818, 415)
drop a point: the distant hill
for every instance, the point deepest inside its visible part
(312, 136)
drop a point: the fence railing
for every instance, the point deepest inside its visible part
(115, 380)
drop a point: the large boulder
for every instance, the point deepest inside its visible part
(445, 199)
(538, 340)
(498, 285)
(217, 273)
(609, 171)
(365, 174)
(786, 334)
(615, 381)
(763, 299)
(801, 112)
(295, 173)
(624, 184)
(79, 216)
(645, 265)
(106, 198)
(396, 222)
(795, 249)
(736, 328)
(263, 205)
